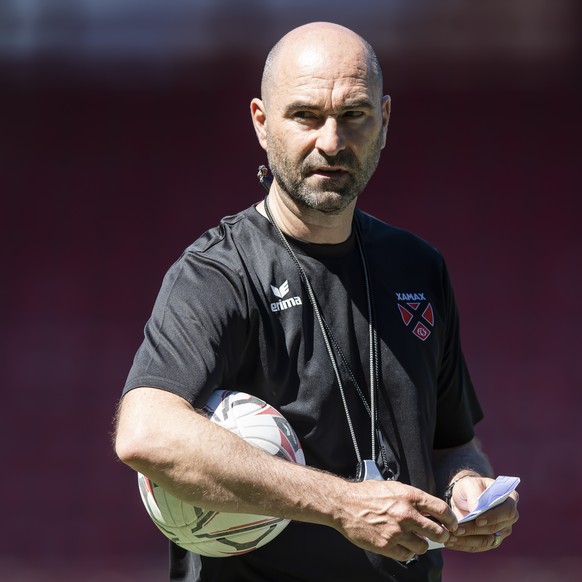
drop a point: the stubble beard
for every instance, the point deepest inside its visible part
(328, 199)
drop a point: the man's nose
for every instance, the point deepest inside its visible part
(330, 139)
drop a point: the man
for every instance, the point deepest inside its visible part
(366, 365)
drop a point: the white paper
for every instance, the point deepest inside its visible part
(495, 494)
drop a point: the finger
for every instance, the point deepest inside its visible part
(402, 554)
(413, 543)
(471, 544)
(478, 543)
(466, 493)
(416, 525)
(428, 528)
(493, 520)
(409, 546)
(436, 508)
(471, 528)
(504, 513)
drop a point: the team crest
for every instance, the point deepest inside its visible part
(417, 314)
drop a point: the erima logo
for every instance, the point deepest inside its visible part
(280, 292)
(283, 304)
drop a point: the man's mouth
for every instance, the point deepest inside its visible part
(329, 172)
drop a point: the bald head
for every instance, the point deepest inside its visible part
(319, 45)
(322, 118)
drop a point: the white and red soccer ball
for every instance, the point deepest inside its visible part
(220, 534)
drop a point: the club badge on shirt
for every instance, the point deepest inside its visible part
(417, 314)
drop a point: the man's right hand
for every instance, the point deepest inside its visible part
(393, 519)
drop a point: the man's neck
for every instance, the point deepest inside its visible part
(308, 224)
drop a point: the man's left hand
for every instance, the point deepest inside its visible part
(488, 531)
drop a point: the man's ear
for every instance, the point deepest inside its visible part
(386, 106)
(259, 116)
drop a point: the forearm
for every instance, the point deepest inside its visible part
(450, 464)
(160, 435)
(181, 456)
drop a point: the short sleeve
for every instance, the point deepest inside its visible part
(458, 409)
(190, 341)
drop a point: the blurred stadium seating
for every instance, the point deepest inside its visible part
(125, 133)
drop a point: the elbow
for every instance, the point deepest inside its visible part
(133, 443)
(127, 449)
(130, 447)
(144, 439)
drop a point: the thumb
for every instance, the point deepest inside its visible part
(466, 492)
(460, 501)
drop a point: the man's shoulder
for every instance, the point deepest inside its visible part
(230, 228)
(383, 235)
(218, 257)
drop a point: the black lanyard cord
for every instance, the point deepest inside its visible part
(329, 338)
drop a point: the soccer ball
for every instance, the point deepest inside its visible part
(220, 534)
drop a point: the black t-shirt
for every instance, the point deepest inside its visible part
(233, 313)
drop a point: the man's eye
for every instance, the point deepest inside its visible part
(304, 115)
(353, 114)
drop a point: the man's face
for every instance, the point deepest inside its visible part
(325, 129)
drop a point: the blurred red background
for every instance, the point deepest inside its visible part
(125, 133)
